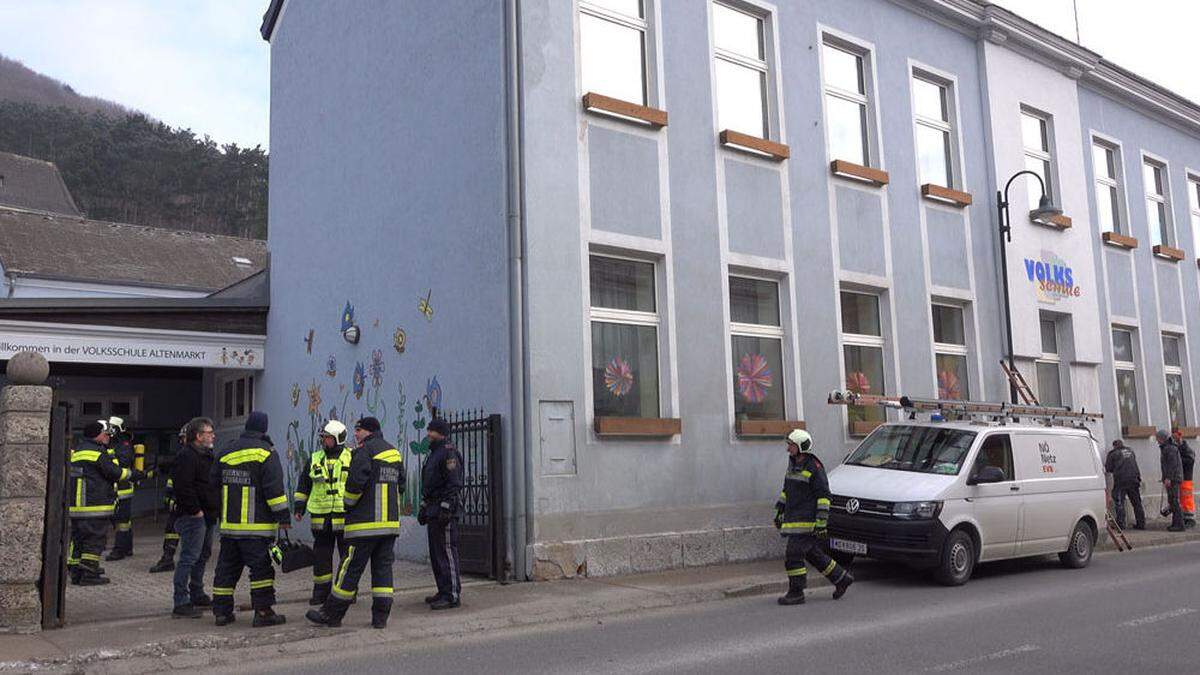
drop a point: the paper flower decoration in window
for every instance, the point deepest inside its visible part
(949, 385)
(858, 383)
(754, 377)
(618, 377)
(376, 368)
(360, 379)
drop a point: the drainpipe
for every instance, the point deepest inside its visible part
(518, 495)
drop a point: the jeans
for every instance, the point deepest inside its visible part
(195, 547)
(1132, 492)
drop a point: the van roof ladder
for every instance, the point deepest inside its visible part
(977, 411)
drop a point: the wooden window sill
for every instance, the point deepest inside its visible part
(645, 427)
(1059, 222)
(945, 195)
(624, 110)
(860, 428)
(767, 428)
(1168, 253)
(858, 172)
(1190, 432)
(1119, 240)
(1137, 432)
(760, 147)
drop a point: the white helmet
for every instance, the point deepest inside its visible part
(335, 429)
(802, 439)
(116, 424)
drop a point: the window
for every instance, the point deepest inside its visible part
(1194, 209)
(1110, 192)
(1173, 366)
(1049, 382)
(862, 350)
(931, 108)
(1123, 361)
(996, 451)
(612, 48)
(741, 68)
(1158, 204)
(935, 449)
(624, 338)
(847, 107)
(1036, 139)
(950, 353)
(757, 349)
(236, 397)
(88, 407)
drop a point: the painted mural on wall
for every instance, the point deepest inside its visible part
(363, 390)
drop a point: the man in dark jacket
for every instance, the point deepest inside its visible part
(170, 537)
(1187, 498)
(372, 504)
(1127, 482)
(94, 473)
(195, 514)
(441, 508)
(254, 507)
(802, 515)
(1172, 477)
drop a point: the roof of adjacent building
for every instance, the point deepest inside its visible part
(28, 183)
(71, 248)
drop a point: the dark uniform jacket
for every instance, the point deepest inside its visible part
(250, 477)
(191, 483)
(442, 480)
(1188, 457)
(1121, 462)
(1172, 463)
(373, 489)
(94, 472)
(803, 504)
(122, 448)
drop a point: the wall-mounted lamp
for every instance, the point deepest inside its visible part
(351, 334)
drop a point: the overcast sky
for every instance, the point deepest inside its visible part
(201, 63)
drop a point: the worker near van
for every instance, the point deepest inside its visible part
(320, 494)
(121, 446)
(802, 515)
(1187, 500)
(1121, 462)
(1172, 477)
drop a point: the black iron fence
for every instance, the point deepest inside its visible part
(481, 530)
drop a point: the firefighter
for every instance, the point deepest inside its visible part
(372, 502)
(254, 506)
(121, 447)
(170, 537)
(441, 488)
(1187, 499)
(92, 496)
(320, 493)
(802, 515)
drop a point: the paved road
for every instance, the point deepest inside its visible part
(1137, 610)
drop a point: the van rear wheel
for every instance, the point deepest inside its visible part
(958, 559)
(1079, 548)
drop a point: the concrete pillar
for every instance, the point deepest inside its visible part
(24, 450)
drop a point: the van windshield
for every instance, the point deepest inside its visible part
(937, 450)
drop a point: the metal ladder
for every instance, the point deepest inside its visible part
(1017, 381)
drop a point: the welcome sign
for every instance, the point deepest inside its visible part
(130, 346)
(1052, 278)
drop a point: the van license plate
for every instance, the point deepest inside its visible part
(848, 546)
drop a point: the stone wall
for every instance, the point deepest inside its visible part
(24, 449)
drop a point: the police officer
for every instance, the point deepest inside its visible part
(320, 493)
(170, 537)
(1121, 462)
(441, 487)
(93, 474)
(372, 499)
(1187, 498)
(121, 446)
(254, 506)
(802, 515)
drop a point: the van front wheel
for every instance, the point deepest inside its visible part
(1079, 548)
(958, 559)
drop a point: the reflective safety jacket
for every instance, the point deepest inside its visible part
(373, 490)
(803, 504)
(122, 449)
(323, 486)
(94, 473)
(253, 501)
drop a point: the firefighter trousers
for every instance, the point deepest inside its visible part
(325, 540)
(253, 553)
(443, 557)
(806, 547)
(88, 536)
(170, 538)
(123, 524)
(379, 553)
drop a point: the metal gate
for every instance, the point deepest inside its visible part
(481, 546)
(56, 538)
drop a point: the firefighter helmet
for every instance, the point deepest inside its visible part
(336, 430)
(801, 439)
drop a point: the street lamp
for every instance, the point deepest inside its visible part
(1045, 210)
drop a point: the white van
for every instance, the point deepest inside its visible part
(946, 495)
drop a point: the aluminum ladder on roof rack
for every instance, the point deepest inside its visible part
(981, 410)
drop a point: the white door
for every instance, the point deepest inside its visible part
(997, 506)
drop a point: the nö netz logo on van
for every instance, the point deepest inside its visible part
(1048, 458)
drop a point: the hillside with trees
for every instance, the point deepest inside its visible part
(123, 166)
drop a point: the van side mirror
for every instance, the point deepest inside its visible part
(988, 474)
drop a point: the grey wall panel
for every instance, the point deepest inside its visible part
(1170, 305)
(860, 231)
(1120, 284)
(624, 183)
(948, 259)
(754, 203)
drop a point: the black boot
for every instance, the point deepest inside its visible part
(165, 564)
(319, 617)
(380, 609)
(319, 595)
(839, 589)
(430, 599)
(115, 555)
(267, 617)
(225, 619)
(795, 594)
